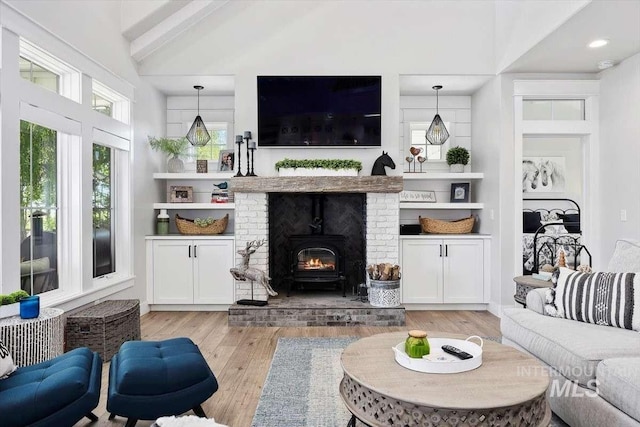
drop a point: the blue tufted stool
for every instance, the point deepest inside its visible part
(151, 379)
(57, 392)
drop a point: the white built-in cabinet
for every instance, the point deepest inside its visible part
(190, 271)
(445, 270)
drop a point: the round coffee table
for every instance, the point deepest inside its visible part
(509, 389)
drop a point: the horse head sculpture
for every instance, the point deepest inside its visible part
(381, 162)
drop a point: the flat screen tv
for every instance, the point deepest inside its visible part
(319, 111)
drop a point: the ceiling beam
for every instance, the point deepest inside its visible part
(172, 26)
(139, 16)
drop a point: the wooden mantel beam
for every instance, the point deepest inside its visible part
(317, 184)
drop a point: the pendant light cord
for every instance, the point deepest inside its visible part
(437, 101)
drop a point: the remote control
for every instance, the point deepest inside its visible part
(456, 352)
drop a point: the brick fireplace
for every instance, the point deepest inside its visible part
(252, 215)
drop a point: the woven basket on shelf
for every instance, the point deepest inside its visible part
(187, 226)
(437, 226)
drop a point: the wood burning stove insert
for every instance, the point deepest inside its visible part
(317, 259)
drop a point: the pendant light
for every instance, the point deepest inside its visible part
(198, 134)
(437, 134)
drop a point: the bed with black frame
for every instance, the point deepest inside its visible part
(551, 225)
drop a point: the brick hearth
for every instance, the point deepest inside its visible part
(315, 310)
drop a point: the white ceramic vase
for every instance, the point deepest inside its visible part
(175, 165)
(457, 168)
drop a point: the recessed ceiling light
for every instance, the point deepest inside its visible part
(599, 43)
(605, 63)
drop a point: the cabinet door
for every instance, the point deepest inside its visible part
(463, 271)
(172, 272)
(213, 283)
(421, 271)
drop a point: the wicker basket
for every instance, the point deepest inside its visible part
(437, 226)
(187, 226)
(104, 327)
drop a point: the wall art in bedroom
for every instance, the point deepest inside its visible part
(543, 174)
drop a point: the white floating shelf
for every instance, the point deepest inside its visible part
(186, 206)
(442, 175)
(193, 175)
(412, 205)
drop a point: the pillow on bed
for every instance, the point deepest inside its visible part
(530, 222)
(554, 229)
(609, 299)
(573, 218)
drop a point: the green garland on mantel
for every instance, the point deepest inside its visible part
(319, 163)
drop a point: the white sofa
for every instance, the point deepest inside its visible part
(595, 370)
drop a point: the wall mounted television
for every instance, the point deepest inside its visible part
(319, 111)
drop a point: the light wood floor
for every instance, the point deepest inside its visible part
(240, 357)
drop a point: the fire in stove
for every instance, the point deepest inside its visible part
(317, 264)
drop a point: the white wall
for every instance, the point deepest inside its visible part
(92, 27)
(487, 137)
(620, 155)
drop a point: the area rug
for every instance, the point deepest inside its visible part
(302, 386)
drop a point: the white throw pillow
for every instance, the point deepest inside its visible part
(554, 230)
(626, 257)
(6, 362)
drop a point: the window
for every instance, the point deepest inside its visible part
(33, 72)
(218, 142)
(38, 208)
(553, 109)
(59, 240)
(46, 70)
(103, 212)
(434, 153)
(101, 105)
(109, 102)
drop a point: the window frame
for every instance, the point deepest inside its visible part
(424, 126)
(24, 100)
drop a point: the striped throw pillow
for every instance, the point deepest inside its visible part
(611, 299)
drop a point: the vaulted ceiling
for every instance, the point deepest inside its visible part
(462, 37)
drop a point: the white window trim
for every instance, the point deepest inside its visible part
(121, 105)
(16, 91)
(69, 76)
(424, 126)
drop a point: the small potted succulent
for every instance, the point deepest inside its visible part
(173, 147)
(9, 303)
(457, 158)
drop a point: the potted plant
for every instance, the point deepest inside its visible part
(457, 158)
(9, 303)
(318, 167)
(170, 146)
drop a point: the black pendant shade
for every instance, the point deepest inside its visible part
(437, 134)
(198, 135)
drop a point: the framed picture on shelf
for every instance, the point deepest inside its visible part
(180, 194)
(460, 192)
(226, 161)
(202, 166)
(418, 196)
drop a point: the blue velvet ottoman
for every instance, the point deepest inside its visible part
(58, 392)
(151, 379)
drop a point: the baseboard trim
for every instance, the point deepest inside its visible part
(144, 308)
(422, 307)
(189, 307)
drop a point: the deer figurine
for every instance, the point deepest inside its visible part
(243, 272)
